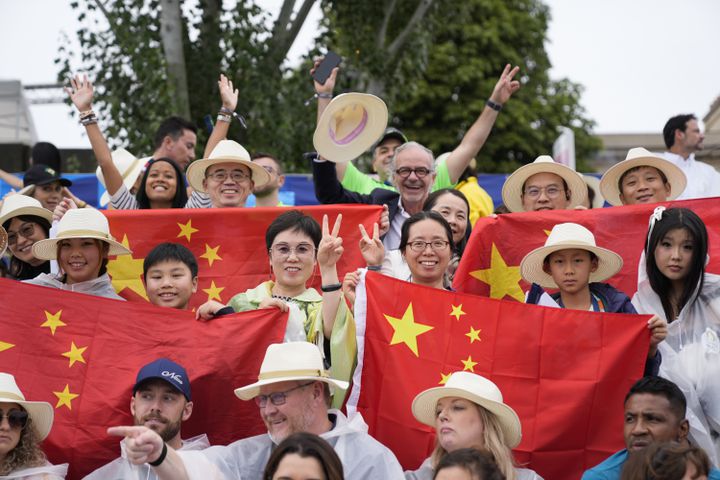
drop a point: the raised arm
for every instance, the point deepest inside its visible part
(475, 138)
(329, 252)
(324, 96)
(143, 445)
(229, 99)
(11, 179)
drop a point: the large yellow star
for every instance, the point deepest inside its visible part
(469, 364)
(53, 321)
(5, 346)
(503, 279)
(214, 292)
(75, 354)
(473, 335)
(65, 397)
(406, 330)
(211, 254)
(186, 230)
(126, 272)
(444, 378)
(457, 312)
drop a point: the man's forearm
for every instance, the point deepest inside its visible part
(471, 143)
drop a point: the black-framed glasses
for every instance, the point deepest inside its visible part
(16, 418)
(419, 172)
(26, 231)
(235, 175)
(277, 398)
(435, 245)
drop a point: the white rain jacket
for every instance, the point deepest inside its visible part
(46, 472)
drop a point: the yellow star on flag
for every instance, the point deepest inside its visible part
(469, 364)
(65, 397)
(406, 330)
(473, 335)
(211, 254)
(75, 354)
(214, 292)
(502, 278)
(186, 230)
(444, 378)
(53, 321)
(5, 346)
(126, 272)
(457, 312)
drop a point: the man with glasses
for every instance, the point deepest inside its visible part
(292, 393)
(269, 195)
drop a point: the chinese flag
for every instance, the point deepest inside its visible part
(564, 372)
(82, 354)
(490, 265)
(229, 244)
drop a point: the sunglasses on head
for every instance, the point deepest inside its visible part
(16, 418)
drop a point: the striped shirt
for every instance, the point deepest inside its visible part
(124, 200)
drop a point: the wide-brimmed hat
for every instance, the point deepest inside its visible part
(593, 183)
(640, 157)
(18, 205)
(79, 223)
(3, 240)
(40, 412)
(513, 187)
(226, 151)
(476, 389)
(349, 126)
(129, 166)
(285, 362)
(565, 236)
(40, 174)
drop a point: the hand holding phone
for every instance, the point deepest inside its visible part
(325, 68)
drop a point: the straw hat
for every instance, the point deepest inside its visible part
(640, 157)
(3, 241)
(565, 236)
(476, 389)
(129, 166)
(17, 205)
(349, 126)
(290, 361)
(513, 187)
(593, 183)
(40, 412)
(79, 223)
(226, 151)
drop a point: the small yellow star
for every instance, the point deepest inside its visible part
(75, 354)
(65, 397)
(211, 254)
(469, 364)
(214, 292)
(457, 312)
(444, 378)
(406, 330)
(53, 321)
(473, 335)
(186, 230)
(502, 278)
(5, 346)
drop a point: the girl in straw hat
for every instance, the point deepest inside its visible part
(26, 222)
(81, 248)
(469, 412)
(23, 425)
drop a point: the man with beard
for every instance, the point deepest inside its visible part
(161, 401)
(268, 195)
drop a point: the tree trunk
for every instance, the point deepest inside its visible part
(171, 33)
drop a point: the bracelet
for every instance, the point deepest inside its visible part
(333, 287)
(224, 109)
(318, 95)
(87, 113)
(374, 268)
(88, 120)
(224, 118)
(495, 106)
(161, 458)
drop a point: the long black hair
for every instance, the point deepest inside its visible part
(433, 199)
(180, 198)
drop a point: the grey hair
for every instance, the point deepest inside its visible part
(408, 145)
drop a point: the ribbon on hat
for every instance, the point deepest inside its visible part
(294, 373)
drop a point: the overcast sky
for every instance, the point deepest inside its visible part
(640, 61)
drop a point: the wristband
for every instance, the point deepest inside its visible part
(223, 118)
(161, 458)
(374, 268)
(495, 106)
(333, 287)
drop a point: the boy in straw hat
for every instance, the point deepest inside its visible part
(571, 262)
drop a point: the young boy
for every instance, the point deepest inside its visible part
(170, 271)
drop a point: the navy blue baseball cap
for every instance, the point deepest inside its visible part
(165, 369)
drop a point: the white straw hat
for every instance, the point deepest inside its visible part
(640, 157)
(129, 166)
(349, 126)
(40, 412)
(476, 389)
(565, 236)
(513, 187)
(226, 151)
(18, 205)
(290, 361)
(79, 223)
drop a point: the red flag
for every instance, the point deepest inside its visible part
(564, 372)
(229, 244)
(82, 354)
(491, 263)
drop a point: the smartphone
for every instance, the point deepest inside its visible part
(325, 68)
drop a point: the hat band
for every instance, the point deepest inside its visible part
(130, 168)
(83, 233)
(352, 135)
(294, 373)
(572, 242)
(11, 396)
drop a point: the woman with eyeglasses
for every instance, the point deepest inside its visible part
(26, 222)
(295, 244)
(23, 425)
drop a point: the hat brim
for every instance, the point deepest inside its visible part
(424, 404)
(27, 210)
(513, 187)
(377, 118)
(531, 266)
(609, 183)
(47, 249)
(42, 414)
(129, 179)
(196, 171)
(253, 390)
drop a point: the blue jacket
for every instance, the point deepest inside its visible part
(612, 467)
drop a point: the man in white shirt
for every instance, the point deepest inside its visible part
(683, 138)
